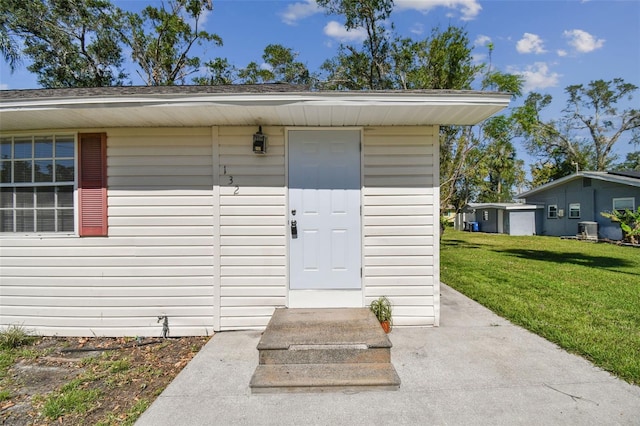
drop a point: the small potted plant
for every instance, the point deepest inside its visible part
(381, 308)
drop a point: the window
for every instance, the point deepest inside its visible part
(37, 177)
(552, 211)
(574, 211)
(485, 215)
(622, 204)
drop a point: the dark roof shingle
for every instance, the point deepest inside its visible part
(72, 92)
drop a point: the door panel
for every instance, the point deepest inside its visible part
(324, 202)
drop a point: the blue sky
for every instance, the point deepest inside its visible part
(553, 44)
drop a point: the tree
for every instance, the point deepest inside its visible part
(348, 70)
(281, 66)
(471, 165)
(220, 72)
(71, 43)
(504, 170)
(591, 125)
(558, 155)
(8, 45)
(632, 162)
(594, 109)
(284, 66)
(441, 61)
(368, 66)
(253, 73)
(161, 40)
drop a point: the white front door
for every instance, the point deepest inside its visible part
(324, 213)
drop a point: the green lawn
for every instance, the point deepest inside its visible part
(583, 296)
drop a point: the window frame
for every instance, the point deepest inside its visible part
(633, 203)
(59, 206)
(485, 215)
(571, 210)
(555, 214)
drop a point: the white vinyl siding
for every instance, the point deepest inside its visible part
(157, 260)
(253, 256)
(198, 232)
(400, 205)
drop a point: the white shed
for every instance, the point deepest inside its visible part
(124, 204)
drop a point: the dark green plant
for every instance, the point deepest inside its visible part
(629, 223)
(381, 308)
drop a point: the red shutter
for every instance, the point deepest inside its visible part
(92, 186)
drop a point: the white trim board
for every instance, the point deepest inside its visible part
(325, 298)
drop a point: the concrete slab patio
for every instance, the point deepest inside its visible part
(476, 368)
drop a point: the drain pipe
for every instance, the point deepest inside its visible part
(165, 325)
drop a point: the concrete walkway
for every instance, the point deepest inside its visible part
(476, 368)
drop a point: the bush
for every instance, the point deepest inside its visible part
(629, 224)
(14, 336)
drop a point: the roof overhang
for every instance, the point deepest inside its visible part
(108, 107)
(604, 176)
(503, 206)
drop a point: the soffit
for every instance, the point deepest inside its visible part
(239, 109)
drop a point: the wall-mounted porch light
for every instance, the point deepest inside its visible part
(259, 142)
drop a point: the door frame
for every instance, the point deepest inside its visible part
(323, 298)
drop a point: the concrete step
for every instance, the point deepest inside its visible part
(320, 350)
(323, 327)
(284, 378)
(325, 354)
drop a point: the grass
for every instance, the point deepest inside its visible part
(128, 418)
(14, 336)
(73, 397)
(12, 340)
(583, 296)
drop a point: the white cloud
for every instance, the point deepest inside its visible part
(538, 76)
(530, 43)
(479, 58)
(202, 19)
(468, 8)
(417, 29)
(336, 30)
(297, 11)
(4, 86)
(582, 41)
(561, 52)
(482, 40)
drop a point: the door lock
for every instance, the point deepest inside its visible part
(294, 229)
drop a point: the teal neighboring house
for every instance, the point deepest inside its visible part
(572, 204)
